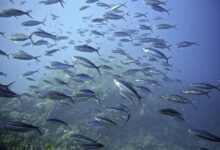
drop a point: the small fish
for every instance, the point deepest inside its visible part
(106, 121)
(185, 44)
(126, 87)
(14, 13)
(19, 127)
(205, 135)
(21, 55)
(83, 8)
(50, 2)
(205, 86)
(81, 138)
(29, 73)
(60, 65)
(171, 112)
(57, 120)
(51, 52)
(156, 53)
(85, 62)
(87, 48)
(196, 92)
(34, 22)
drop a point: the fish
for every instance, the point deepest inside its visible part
(177, 99)
(122, 34)
(205, 86)
(87, 48)
(196, 92)
(29, 73)
(97, 33)
(61, 82)
(205, 135)
(19, 127)
(185, 44)
(84, 76)
(54, 95)
(34, 22)
(156, 53)
(20, 37)
(14, 13)
(85, 62)
(22, 55)
(83, 8)
(165, 26)
(126, 87)
(81, 138)
(51, 52)
(43, 34)
(113, 16)
(171, 112)
(92, 145)
(60, 65)
(57, 121)
(50, 2)
(5, 92)
(4, 54)
(106, 121)
(91, 1)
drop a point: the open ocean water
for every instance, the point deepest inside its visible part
(109, 75)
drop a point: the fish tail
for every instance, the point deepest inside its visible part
(8, 85)
(19, 98)
(169, 47)
(61, 3)
(194, 106)
(97, 50)
(44, 20)
(207, 94)
(124, 19)
(39, 131)
(124, 4)
(217, 88)
(27, 13)
(98, 69)
(36, 58)
(30, 37)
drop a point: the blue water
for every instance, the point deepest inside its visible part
(196, 21)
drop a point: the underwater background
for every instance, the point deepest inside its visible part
(122, 107)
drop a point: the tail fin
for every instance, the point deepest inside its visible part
(124, 4)
(97, 68)
(168, 46)
(39, 131)
(44, 20)
(36, 58)
(61, 3)
(97, 50)
(8, 85)
(27, 13)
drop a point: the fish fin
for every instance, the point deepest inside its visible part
(27, 13)
(218, 88)
(124, 4)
